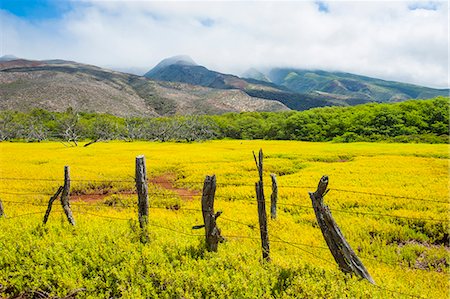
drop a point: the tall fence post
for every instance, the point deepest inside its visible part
(262, 215)
(65, 196)
(343, 254)
(142, 191)
(274, 197)
(2, 210)
(50, 203)
(212, 232)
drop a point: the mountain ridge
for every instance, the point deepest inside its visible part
(298, 89)
(174, 60)
(202, 76)
(178, 85)
(348, 84)
(56, 85)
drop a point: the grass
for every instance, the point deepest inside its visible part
(102, 256)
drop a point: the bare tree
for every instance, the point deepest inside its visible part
(69, 128)
(35, 130)
(134, 128)
(162, 129)
(9, 128)
(103, 129)
(195, 128)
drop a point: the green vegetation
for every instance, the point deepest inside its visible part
(345, 87)
(411, 121)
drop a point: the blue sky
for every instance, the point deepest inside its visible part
(36, 9)
(395, 40)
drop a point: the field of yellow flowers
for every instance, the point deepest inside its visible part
(390, 201)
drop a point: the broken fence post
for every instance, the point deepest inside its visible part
(50, 203)
(274, 196)
(2, 210)
(142, 191)
(65, 196)
(262, 215)
(212, 232)
(343, 254)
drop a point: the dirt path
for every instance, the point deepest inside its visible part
(165, 181)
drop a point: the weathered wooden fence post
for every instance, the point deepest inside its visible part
(142, 191)
(65, 196)
(2, 210)
(212, 232)
(343, 254)
(274, 197)
(262, 215)
(50, 203)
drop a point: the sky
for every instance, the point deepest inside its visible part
(405, 41)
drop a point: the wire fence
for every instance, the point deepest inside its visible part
(334, 210)
(155, 181)
(230, 197)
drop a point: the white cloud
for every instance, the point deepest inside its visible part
(404, 41)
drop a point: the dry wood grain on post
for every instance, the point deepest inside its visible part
(65, 196)
(273, 197)
(343, 254)
(262, 215)
(142, 191)
(2, 211)
(50, 203)
(212, 232)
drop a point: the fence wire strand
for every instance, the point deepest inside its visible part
(155, 181)
(334, 210)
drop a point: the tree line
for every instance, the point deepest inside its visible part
(410, 121)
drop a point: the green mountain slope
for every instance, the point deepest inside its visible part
(350, 85)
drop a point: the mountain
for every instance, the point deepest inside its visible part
(253, 73)
(8, 58)
(179, 60)
(184, 69)
(298, 89)
(347, 85)
(56, 85)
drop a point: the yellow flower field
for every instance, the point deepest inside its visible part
(390, 201)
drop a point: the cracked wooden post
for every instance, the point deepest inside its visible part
(262, 215)
(212, 232)
(274, 197)
(142, 191)
(343, 254)
(50, 203)
(2, 210)
(65, 196)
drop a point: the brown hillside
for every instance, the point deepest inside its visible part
(58, 85)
